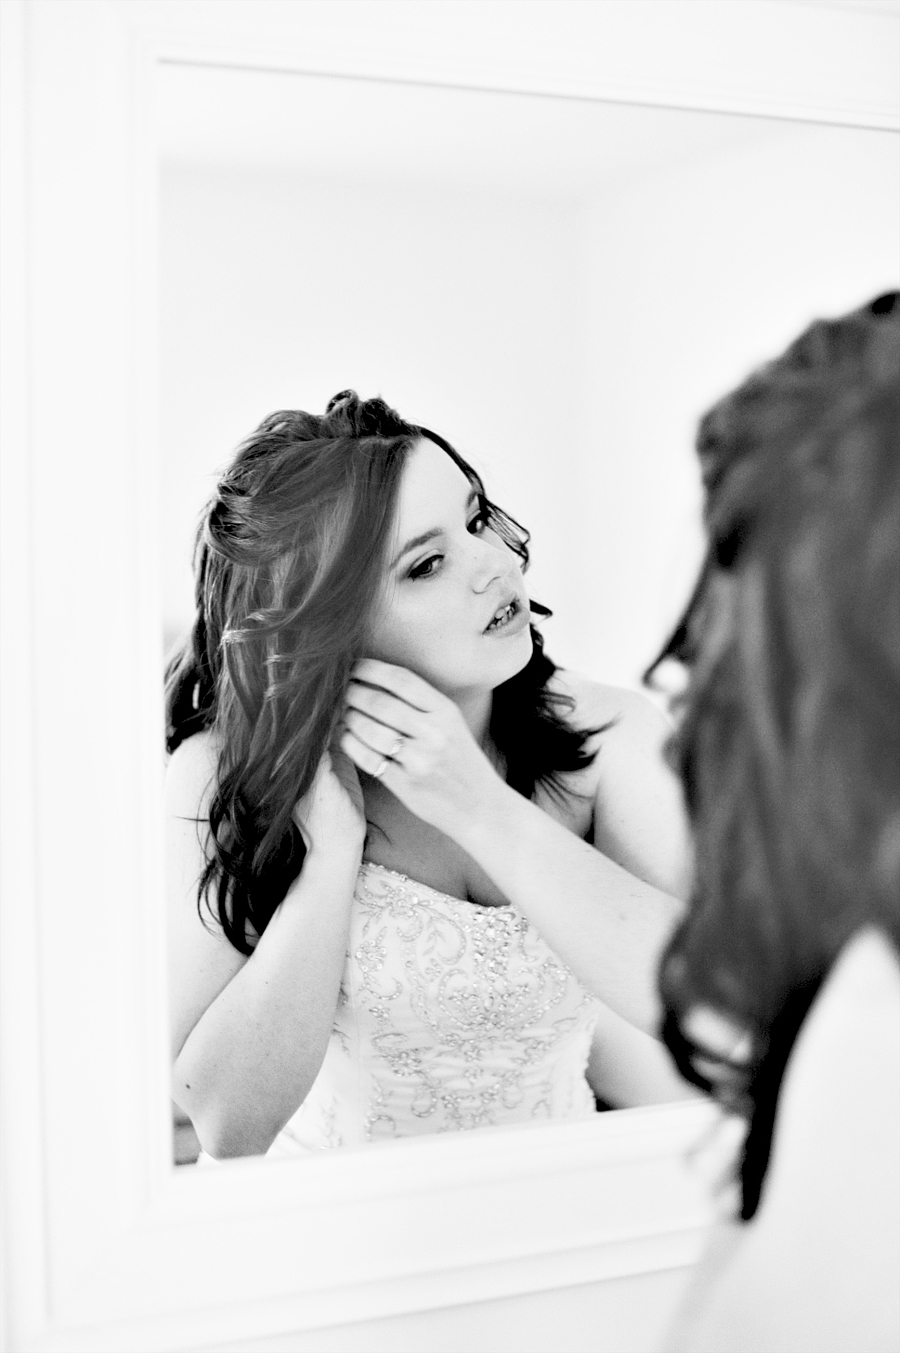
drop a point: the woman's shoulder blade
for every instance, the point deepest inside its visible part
(867, 970)
(856, 1014)
(816, 1267)
(831, 1201)
(190, 773)
(839, 1109)
(843, 1074)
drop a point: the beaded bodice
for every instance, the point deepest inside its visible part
(451, 1016)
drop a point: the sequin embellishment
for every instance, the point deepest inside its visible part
(452, 1016)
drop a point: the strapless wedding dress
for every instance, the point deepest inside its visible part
(451, 1016)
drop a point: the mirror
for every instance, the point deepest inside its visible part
(558, 286)
(591, 1228)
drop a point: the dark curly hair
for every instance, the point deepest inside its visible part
(789, 737)
(288, 563)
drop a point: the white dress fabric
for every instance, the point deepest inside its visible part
(451, 1016)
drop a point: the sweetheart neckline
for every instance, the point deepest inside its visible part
(450, 897)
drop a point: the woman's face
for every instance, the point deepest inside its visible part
(453, 606)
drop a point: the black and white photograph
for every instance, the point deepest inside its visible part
(450, 679)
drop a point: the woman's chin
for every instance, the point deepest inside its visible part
(497, 662)
(516, 655)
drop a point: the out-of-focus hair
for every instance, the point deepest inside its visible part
(288, 565)
(789, 737)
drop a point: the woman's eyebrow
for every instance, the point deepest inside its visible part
(424, 538)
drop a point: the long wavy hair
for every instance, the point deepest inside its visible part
(288, 563)
(789, 737)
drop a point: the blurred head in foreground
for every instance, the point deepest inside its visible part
(788, 742)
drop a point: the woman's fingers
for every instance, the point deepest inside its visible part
(365, 758)
(332, 808)
(392, 711)
(378, 737)
(387, 708)
(399, 682)
(437, 771)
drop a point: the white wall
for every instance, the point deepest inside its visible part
(695, 277)
(567, 348)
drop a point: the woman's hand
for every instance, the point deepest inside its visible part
(331, 813)
(402, 731)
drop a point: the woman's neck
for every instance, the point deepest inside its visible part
(475, 707)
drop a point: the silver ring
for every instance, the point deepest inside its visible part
(379, 770)
(397, 747)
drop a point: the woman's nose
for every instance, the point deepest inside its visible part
(490, 562)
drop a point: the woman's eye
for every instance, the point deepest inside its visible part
(478, 522)
(427, 567)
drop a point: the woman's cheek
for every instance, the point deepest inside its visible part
(397, 634)
(428, 641)
(423, 629)
(417, 629)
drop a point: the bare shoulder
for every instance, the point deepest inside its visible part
(638, 815)
(839, 1110)
(867, 974)
(850, 1038)
(843, 1075)
(190, 775)
(817, 1266)
(629, 717)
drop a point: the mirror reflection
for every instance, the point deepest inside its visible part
(436, 868)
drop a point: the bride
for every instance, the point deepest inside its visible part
(419, 877)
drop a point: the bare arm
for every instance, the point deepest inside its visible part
(639, 823)
(608, 910)
(249, 1034)
(639, 816)
(627, 1067)
(604, 920)
(608, 925)
(817, 1267)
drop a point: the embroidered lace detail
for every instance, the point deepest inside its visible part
(452, 1016)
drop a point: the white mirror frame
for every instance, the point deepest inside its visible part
(108, 1247)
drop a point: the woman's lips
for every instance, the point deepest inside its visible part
(514, 618)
